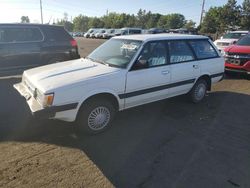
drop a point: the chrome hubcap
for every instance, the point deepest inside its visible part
(99, 118)
(200, 91)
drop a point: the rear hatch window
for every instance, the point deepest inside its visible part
(56, 34)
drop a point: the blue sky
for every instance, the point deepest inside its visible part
(12, 10)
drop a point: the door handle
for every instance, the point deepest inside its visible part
(165, 72)
(196, 66)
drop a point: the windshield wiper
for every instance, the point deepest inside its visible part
(91, 59)
(101, 62)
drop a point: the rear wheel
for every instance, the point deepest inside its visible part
(198, 91)
(95, 116)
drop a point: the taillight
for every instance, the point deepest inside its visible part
(73, 43)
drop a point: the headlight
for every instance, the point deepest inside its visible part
(45, 100)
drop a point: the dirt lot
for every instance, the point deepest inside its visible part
(171, 143)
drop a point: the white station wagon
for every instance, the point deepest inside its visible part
(124, 72)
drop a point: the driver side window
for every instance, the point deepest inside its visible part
(153, 54)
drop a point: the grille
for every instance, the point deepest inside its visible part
(237, 59)
(29, 86)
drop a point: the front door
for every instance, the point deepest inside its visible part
(148, 79)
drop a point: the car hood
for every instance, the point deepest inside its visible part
(62, 74)
(238, 49)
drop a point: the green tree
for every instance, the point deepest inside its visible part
(95, 22)
(231, 14)
(171, 21)
(67, 25)
(214, 21)
(80, 23)
(176, 21)
(245, 17)
(190, 25)
(25, 19)
(141, 18)
(152, 21)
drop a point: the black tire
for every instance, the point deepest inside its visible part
(198, 91)
(86, 117)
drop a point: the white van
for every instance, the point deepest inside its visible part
(124, 72)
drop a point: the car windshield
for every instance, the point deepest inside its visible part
(233, 35)
(116, 52)
(244, 41)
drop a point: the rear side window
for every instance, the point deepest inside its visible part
(10, 35)
(56, 34)
(203, 49)
(179, 51)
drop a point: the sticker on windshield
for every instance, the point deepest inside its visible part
(129, 46)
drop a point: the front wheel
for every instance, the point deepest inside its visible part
(198, 91)
(95, 116)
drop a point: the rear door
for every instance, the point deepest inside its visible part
(184, 67)
(149, 78)
(20, 49)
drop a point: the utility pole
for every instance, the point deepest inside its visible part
(41, 9)
(202, 11)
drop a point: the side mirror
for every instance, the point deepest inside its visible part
(234, 42)
(141, 63)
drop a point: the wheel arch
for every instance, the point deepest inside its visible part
(104, 95)
(207, 78)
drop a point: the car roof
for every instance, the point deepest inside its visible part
(165, 36)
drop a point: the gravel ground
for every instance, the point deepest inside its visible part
(171, 143)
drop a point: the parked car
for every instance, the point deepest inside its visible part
(156, 31)
(92, 35)
(130, 31)
(100, 33)
(237, 57)
(229, 39)
(111, 33)
(89, 32)
(78, 34)
(124, 72)
(23, 46)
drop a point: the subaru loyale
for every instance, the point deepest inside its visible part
(124, 72)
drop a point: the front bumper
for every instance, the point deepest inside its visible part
(245, 69)
(36, 109)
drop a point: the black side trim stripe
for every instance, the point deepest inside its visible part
(158, 88)
(217, 75)
(51, 111)
(65, 107)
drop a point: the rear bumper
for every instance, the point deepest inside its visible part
(36, 109)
